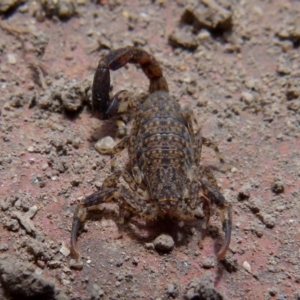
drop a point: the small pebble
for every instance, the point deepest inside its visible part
(44, 167)
(76, 264)
(230, 263)
(281, 208)
(4, 247)
(202, 103)
(98, 184)
(277, 186)
(38, 271)
(164, 242)
(244, 192)
(65, 282)
(12, 59)
(40, 264)
(208, 263)
(106, 143)
(76, 142)
(247, 266)
(251, 83)
(149, 246)
(119, 263)
(267, 219)
(204, 34)
(67, 270)
(247, 97)
(97, 291)
(233, 170)
(135, 261)
(254, 204)
(272, 292)
(54, 264)
(172, 290)
(30, 149)
(64, 250)
(259, 232)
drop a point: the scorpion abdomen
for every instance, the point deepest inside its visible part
(163, 146)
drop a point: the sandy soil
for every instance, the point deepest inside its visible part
(235, 63)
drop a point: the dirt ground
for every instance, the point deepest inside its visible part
(234, 63)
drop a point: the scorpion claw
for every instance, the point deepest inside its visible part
(100, 97)
(79, 216)
(75, 227)
(226, 224)
(114, 104)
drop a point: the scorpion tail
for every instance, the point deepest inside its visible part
(113, 61)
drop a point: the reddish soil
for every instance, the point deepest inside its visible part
(235, 64)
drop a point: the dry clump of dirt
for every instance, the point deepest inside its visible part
(27, 280)
(65, 95)
(7, 5)
(24, 280)
(18, 213)
(203, 288)
(164, 243)
(63, 9)
(201, 21)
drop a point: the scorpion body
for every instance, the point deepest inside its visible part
(165, 177)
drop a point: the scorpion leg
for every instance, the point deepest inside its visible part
(104, 195)
(111, 181)
(117, 148)
(211, 191)
(102, 104)
(211, 144)
(189, 118)
(132, 200)
(206, 172)
(199, 140)
(203, 141)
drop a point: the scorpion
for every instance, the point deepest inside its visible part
(164, 177)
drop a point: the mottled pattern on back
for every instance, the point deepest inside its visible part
(162, 146)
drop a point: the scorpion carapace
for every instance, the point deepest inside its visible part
(165, 175)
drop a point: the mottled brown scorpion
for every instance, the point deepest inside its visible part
(165, 177)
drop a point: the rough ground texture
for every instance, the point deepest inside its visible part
(235, 63)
